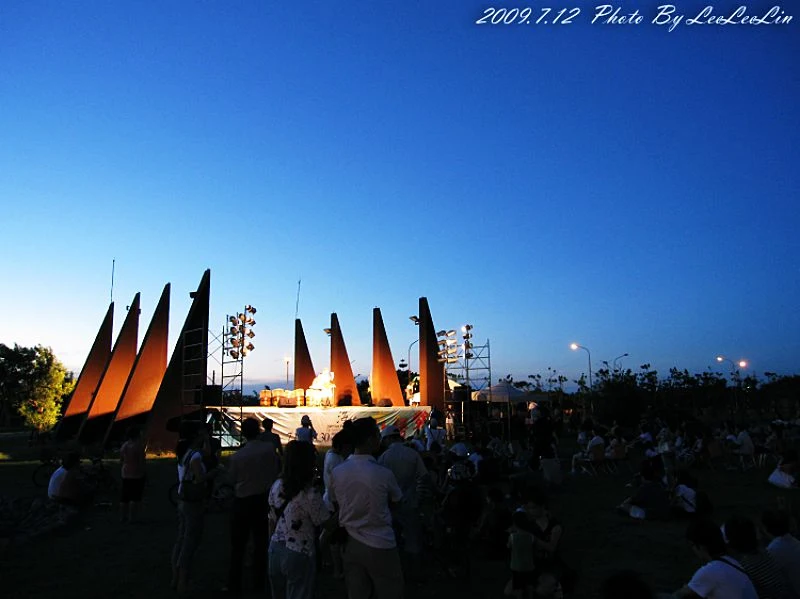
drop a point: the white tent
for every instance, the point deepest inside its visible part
(503, 392)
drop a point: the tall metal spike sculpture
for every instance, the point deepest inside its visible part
(148, 371)
(384, 382)
(180, 395)
(431, 371)
(340, 365)
(109, 391)
(303, 368)
(88, 379)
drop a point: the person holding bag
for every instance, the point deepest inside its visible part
(296, 511)
(192, 495)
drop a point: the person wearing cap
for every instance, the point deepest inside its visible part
(408, 468)
(363, 490)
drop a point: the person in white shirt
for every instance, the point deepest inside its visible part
(685, 494)
(784, 475)
(596, 440)
(341, 448)
(362, 490)
(744, 444)
(721, 576)
(783, 547)
(64, 486)
(408, 468)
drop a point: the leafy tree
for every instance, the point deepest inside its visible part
(33, 384)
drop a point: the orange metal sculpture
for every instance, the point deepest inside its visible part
(109, 391)
(431, 371)
(303, 368)
(340, 365)
(181, 390)
(384, 382)
(148, 371)
(88, 380)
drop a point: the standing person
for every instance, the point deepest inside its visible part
(132, 457)
(252, 470)
(720, 576)
(434, 435)
(341, 448)
(336, 455)
(362, 489)
(306, 432)
(408, 468)
(521, 542)
(191, 508)
(270, 436)
(297, 509)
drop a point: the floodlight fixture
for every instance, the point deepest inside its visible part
(250, 309)
(235, 342)
(250, 333)
(234, 354)
(250, 347)
(233, 320)
(414, 319)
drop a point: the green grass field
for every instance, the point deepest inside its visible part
(101, 557)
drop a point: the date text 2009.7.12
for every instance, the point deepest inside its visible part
(528, 16)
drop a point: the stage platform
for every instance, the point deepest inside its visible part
(327, 421)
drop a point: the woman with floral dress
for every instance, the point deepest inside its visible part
(297, 511)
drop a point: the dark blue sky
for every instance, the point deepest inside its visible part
(628, 188)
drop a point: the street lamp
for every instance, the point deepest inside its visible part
(614, 362)
(740, 363)
(416, 321)
(576, 347)
(287, 359)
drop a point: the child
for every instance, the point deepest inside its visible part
(521, 542)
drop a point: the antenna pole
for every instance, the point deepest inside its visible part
(113, 263)
(297, 301)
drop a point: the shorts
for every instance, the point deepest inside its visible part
(132, 489)
(522, 580)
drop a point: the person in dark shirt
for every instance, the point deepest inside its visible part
(651, 500)
(271, 437)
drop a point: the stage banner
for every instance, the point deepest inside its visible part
(326, 421)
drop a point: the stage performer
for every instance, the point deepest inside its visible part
(253, 469)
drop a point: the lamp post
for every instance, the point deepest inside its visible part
(575, 347)
(287, 359)
(734, 365)
(614, 362)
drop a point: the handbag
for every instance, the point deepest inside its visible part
(190, 491)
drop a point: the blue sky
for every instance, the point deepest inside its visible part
(627, 188)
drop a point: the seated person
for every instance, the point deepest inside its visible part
(650, 501)
(740, 534)
(721, 576)
(783, 547)
(743, 444)
(784, 475)
(585, 455)
(684, 496)
(65, 486)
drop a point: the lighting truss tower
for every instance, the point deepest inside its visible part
(237, 335)
(474, 365)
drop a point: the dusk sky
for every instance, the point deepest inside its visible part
(624, 187)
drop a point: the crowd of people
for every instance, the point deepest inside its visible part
(385, 513)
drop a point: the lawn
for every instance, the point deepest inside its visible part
(101, 557)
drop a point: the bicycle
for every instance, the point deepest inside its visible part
(100, 478)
